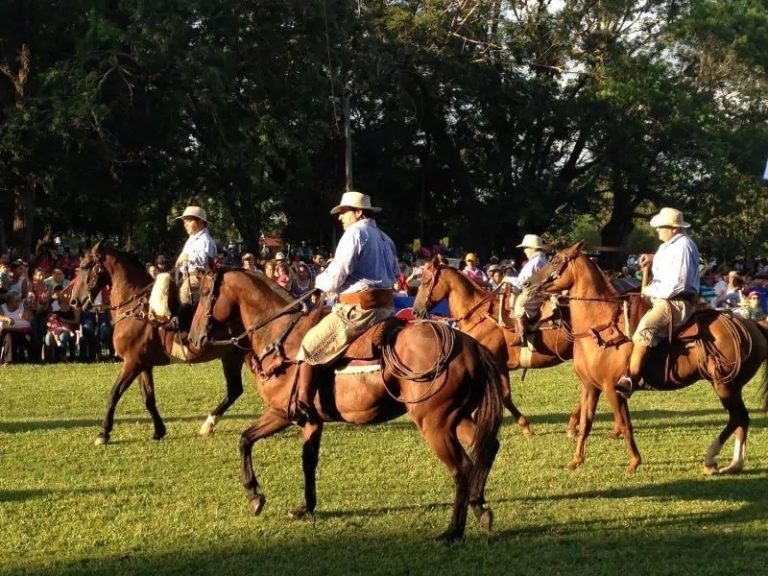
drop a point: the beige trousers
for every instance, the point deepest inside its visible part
(189, 291)
(654, 326)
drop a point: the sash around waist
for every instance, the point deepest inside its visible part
(369, 299)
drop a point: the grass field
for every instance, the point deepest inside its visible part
(176, 506)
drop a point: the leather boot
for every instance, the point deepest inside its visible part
(632, 381)
(303, 410)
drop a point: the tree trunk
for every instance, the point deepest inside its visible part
(24, 216)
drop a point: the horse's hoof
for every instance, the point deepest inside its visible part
(300, 513)
(709, 468)
(573, 464)
(160, 434)
(209, 426)
(632, 468)
(528, 433)
(732, 468)
(450, 535)
(486, 519)
(256, 504)
(102, 439)
(614, 435)
(571, 433)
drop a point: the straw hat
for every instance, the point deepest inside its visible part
(470, 257)
(356, 200)
(669, 217)
(493, 268)
(194, 212)
(279, 256)
(532, 241)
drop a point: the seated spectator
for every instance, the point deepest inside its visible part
(283, 274)
(18, 282)
(63, 324)
(303, 282)
(15, 329)
(56, 278)
(474, 272)
(706, 286)
(750, 308)
(401, 282)
(161, 263)
(248, 262)
(733, 293)
(496, 276)
(152, 270)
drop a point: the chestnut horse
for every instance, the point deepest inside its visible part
(140, 343)
(714, 346)
(436, 375)
(476, 311)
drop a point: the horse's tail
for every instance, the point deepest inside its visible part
(763, 325)
(488, 417)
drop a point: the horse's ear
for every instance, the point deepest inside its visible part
(578, 246)
(98, 249)
(435, 261)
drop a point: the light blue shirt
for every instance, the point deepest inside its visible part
(535, 263)
(675, 268)
(365, 258)
(199, 248)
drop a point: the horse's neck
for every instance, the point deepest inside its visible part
(586, 308)
(123, 283)
(462, 296)
(256, 303)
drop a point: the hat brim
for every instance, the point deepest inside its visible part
(340, 207)
(188, 216)
(542, 247)
(658, 222)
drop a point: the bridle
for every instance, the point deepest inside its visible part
(433, 282)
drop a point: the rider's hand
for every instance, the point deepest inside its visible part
(182, 259)
(645, 260)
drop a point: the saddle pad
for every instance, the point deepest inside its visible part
(691, 329)
(358, 367)
(368, 344)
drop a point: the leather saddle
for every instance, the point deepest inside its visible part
(693, 329)
(368, 345)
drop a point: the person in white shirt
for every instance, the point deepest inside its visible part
(195, 259)
(521, 301)
(673, 290)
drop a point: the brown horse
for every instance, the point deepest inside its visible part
(438, 376)
(476, 311)
(714, 346)
(140, 343)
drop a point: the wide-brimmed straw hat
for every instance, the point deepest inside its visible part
(194, 212)
(532, 241)
(669, 217)
(356, 200)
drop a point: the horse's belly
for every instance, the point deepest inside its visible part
(362, 399)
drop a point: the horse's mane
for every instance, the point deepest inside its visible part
(258, 275)
(463, 276)
(608, 282)
(131, 258)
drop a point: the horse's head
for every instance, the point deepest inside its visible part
(211, 308)
(91, 278)
(431, 290)
(557, 275)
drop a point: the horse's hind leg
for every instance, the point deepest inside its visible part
(310, 454)
(148, 393)
(443, 441)
(588, 403)
(124, 379)
(232, 364)
(506, 394)
(268, 423)
(738, 423)
(479, 476)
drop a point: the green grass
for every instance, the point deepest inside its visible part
(176, 506)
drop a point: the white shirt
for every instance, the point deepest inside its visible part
(199, 248)
(675, 268)
(536, 262)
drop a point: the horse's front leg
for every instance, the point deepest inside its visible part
(232, 364)
(310, 455)
(268, 423)
(127, 375)
(623, 421)
(148, 393)
(589, 397)
(506, 395)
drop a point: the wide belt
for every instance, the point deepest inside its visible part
(686, 297)
(368, 299)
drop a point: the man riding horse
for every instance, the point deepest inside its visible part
(673, 290)
(524, 306)
(362, 273)
(199, 250)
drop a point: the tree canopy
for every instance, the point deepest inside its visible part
(480, 120)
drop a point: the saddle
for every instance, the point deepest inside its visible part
(368, 345)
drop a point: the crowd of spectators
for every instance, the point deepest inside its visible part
(37, 323)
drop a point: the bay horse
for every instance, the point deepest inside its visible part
(476, 311)
(139, 342)
(713, 346)
(436, 375)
